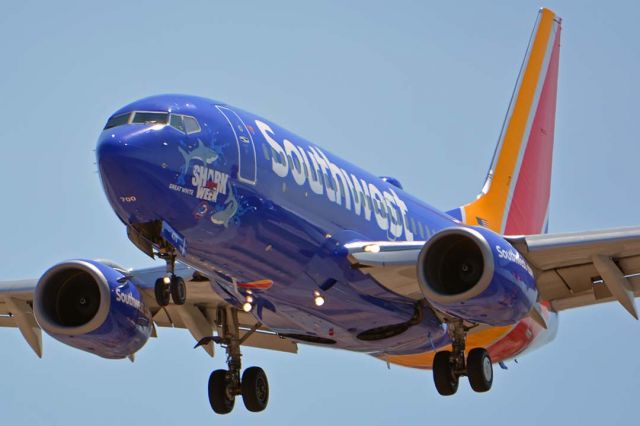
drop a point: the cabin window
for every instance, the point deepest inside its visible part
(280, 158)
(392, 215)
(312, 172)
(356, 196)
(382, 212)
(265, 151)
(294, 163)
(328, 181)
(340, 185)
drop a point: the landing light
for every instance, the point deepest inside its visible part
(167, 280)
(372, 248)
(246, 306)
(317, 298)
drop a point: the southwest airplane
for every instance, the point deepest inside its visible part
(271, 241)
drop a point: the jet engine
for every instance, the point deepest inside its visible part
(474, 274)
(93, 307)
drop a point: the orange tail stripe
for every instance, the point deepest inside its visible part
(491, 206)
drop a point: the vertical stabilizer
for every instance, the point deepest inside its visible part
(515, 196)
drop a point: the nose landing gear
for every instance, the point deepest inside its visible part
(449, 366)
(170, 286)
(225, 385)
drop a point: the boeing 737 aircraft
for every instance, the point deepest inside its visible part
(271, 241)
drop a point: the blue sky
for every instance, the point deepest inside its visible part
(412, 89)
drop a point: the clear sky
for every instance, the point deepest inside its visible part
(412, 89)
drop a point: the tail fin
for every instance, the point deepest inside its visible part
(515, 196)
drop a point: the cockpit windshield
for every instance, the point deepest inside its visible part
(183, 123)
(150, 117)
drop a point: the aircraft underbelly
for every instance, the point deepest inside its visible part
(297, 261)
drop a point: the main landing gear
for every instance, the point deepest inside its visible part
(449, 366)
(225, 385)
(170, 286)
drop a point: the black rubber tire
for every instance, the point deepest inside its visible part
(444, 378)
(255, 389)
(220, 400)
(178, 290)
(162, 292)
(479, 370)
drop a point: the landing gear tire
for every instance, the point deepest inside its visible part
(444, 377)
(162, 292)
(178, 290)
(255, 389)
(225, 385)
(479, 370)
(220, 399)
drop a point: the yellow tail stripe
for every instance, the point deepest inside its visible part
(491, 206)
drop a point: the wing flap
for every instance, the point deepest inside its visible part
(16, 311)
(22, 312)
(584, 268)
(271, 341)
(7, 321)
(598, 294)
(194, 321)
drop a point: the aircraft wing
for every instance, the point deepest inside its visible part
(572, 269)
(198, 314)
(583, 268)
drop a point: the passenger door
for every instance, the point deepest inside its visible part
(247, 163)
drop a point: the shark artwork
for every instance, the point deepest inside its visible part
(210, 183)
(224, 216)
(201, 152)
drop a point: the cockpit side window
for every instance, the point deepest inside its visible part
(177, 123)
(191, 124)
(118, 120)
(151, 117)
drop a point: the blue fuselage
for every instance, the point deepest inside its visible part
(250, 201)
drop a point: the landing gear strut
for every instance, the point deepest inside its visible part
(225, 385)
(449, 366)
(170, 286)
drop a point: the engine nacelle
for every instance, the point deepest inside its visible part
(476, 275)
(92, 306)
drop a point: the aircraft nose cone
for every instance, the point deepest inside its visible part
(120, 150)
(130, 167)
